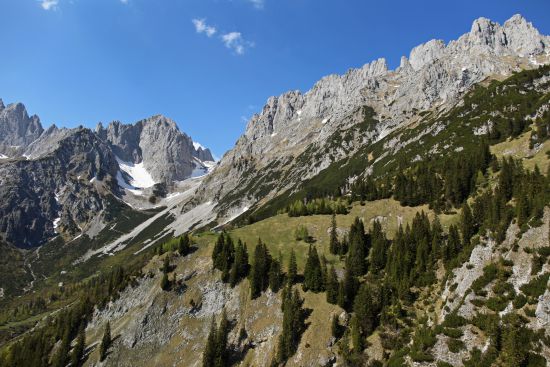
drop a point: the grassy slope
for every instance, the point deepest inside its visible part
(278, 231)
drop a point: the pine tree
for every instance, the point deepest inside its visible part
(217, 251)
(78, 350)
(164, 282)
(356, 335)
(209, 355)
(357, 248)
(366, 307)
(293, 324)
(313, 276)
(62, 355)
(166, 265)
(466, 224)
(335, 326)
(259, 273)
(334, 246)
(105, 342)
(239, 269)
(184, 245)
(292, 268)
(379, 248)
(332, 286)
(453, 243)
(275, 276)
(222, 357)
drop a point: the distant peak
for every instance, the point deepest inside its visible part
(2, 104)
(516, 19)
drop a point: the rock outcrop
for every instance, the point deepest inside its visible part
(434, 77)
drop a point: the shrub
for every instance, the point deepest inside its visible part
(455, 345)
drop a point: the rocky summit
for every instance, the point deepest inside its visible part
(382, 218)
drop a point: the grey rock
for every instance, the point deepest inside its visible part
(434, 77)
(17, 128)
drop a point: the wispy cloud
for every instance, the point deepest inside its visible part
(258, 4)
(124, 1)
(202, 27)
(49, 4)
(232, 40)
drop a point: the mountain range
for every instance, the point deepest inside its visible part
(396, 148)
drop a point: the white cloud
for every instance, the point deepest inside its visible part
(258, 4)
(124, 1)
(202, 27)
(236, 42)
(49, 4)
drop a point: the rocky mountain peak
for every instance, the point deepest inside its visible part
(17, 128)
(2, 104)
(426, 53)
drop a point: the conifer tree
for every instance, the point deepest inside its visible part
(222, 357)
(259, 273)
(466, 224)
(240, 267)
(275, 276)
(166, 265)
(334, 246)
(356, 335)
(357, 248)
(62, 355)
(292, 268)
(209, 355)
(453, 243)
(332, 286)
(293, 324)
(78, 350)
(164, 282)
(184, 245)
(105, 342)
(313, 276)
(378, 249)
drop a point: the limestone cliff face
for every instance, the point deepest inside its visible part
(434, 76)
(17, 129)
(166, 152)
(60, 181)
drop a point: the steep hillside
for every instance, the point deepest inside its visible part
(385, 217)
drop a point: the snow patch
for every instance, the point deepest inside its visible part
(198, 146)
(3, 156)
(140, 178)
(56, 222)
(324, 121)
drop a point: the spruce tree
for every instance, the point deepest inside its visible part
(222, 356)
(259, 273)
(466, 224)
(334, 246)
(209, 355)
(453, 243)
(61, 357)
(78, 350)
(379, 248)
(355, 261)
(356, 335)
(313, 276)
(275, 276)
(184, 245)
(293, 324)
(292, 268)
(166, 265)
(105, 342)
(332, 286)
(164, 282)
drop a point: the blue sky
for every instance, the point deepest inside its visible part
(208, 64)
